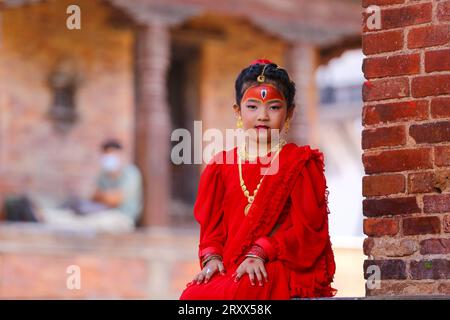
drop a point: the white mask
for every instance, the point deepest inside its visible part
(110, 162)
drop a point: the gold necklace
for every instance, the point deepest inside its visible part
(244, 154)
(251, 198)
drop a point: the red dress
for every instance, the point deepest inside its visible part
(288, 219)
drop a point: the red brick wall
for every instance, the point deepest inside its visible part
(406, 142)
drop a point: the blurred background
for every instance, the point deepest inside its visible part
(71, 77)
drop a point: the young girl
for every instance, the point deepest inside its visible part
(263, 236)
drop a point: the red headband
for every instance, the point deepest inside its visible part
(261, 61)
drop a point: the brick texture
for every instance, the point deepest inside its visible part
(366, 3)
(421, 182)
(399, 111)
(428, 36)
(382, 42)
(440, 107)
(442, 156)
(403, 16)
(446, 223)
(389, 269)
(385, 89)
(393, 247)
(397, 65)
(436, 203)
(381, 227)
(384, 137)
(383, 185)
(431, 132)
(435, 246)
(437, 60)
(430, 269)
(443, 11)
(397, 160)
(390, 206)
(430, 85)
(406, 146)
(421, 225)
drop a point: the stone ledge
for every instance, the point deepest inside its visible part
(35, 237)
(152, 263)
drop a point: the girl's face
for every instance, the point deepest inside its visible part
(263, 108)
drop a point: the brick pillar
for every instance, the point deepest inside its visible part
(406, 142)
(152, 52)
(303, 60)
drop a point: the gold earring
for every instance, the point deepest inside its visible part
(286, 126)
(239, 123)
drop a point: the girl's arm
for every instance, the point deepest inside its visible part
(208, 211)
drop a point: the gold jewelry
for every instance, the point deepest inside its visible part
(209, 258)
(261, 78)
(255, 256)
(251, 198)
(245, 155)
(239, 123)
(286, 126)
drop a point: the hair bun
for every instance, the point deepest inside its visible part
(261, 61)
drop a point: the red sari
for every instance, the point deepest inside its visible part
(288, 219)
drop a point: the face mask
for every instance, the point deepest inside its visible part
(110, 162)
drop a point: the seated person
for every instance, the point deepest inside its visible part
(116, 203)
(119, 185)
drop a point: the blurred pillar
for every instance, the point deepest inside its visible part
(303, 60)
(152, 131)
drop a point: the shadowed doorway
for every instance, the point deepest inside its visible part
(183, 85)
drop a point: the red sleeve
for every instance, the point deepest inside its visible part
(208, 210)
(303, 235)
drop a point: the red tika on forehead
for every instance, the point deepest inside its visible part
(263, 93)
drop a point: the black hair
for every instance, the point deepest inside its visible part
(273, 75)
(111, 144)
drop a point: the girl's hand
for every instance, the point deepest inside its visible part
(254, 267)
(209, 270)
